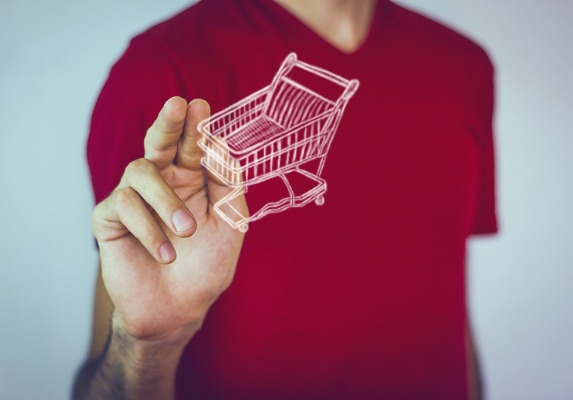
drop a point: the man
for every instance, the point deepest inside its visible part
(363, 297)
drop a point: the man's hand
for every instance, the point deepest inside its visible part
(165, 253)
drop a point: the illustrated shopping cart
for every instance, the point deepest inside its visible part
(274, 133)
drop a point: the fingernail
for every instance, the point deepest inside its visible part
(166, 252)
(182, 221)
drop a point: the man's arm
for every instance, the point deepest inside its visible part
(119, 367)
(475, 386)
(129, 368)
(100, 335)
(165, 257)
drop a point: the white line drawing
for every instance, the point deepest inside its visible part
(271, 134)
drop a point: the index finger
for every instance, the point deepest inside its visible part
(189, 153)
(162, 137)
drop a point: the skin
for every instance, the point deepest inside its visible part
(342, 23)
(157, 308)
(165, 254)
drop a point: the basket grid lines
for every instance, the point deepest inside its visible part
(270, 134)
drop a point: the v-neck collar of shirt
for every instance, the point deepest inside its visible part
(303, 30)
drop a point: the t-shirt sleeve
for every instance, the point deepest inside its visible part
(138, 85)
(485, 216)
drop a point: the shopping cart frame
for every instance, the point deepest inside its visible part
(246, 144)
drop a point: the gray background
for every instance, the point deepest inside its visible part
(54, 57)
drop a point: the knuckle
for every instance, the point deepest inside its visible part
(96, 219)
(99, 218)
(139, 166)
(124, 198)
(97, 211)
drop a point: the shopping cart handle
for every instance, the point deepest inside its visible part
(350, 89)
(284, 69)
(290, 59)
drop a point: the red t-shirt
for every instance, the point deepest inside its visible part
(363, 297)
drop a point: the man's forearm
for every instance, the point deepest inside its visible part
(131, 369)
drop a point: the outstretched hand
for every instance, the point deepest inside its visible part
(166, 255)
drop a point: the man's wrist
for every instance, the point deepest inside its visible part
(164, 349)
(136, 368)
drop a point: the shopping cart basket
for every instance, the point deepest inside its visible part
(272, 133)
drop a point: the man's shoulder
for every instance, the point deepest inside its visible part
(196, 26)
(437, 37)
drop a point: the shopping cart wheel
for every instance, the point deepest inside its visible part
(243, 228)
(319, 201)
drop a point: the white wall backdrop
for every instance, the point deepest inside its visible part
(54, 57)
